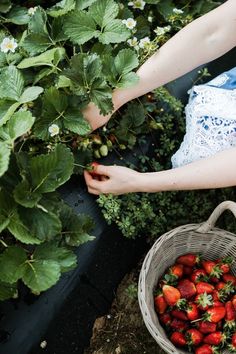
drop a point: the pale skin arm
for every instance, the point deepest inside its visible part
(203, 40)
(214, 172)
(199, 42)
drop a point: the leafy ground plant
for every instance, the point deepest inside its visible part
(54, 59)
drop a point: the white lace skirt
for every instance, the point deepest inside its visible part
(210, 120)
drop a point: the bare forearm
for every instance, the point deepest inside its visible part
(217, 171)
(201, 41)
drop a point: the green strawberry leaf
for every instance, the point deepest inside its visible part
(24, 195)
(80, 27)
(20, 231)
(12, 83)
(44, 224)
(101, 95)
(40, 275)
(125, 61)
(45, 58)
(103, 12)
(114, 32)
(127, 80)
(38, 22)
(18, 15)
(61, 8)
(8, 291)
(50, 171)
(50, 251)
(35, 43)
(75, 122)
(83, 4)
(5, 152)
(12, 262)
(30, 94)
(5, 6)
(20, 123)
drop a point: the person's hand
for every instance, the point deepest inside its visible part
(92, 115)
(114, 179)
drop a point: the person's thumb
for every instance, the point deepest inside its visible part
(103, 170)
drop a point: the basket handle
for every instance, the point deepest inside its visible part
(210, 223)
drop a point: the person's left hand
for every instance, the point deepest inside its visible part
(114, 180)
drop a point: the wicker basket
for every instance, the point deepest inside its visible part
(197, 238)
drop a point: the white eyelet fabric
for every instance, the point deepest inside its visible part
(210, 120)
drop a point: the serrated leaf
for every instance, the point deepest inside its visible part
(82, 158)
(76, 227)
(83, 4)
(57, 31)
(114, 32)
(7, 291)
(45, 225)
(104, 11)
(54, 102)
(61, 8)
(35, 43)
(30, 94)
(24, 195)
(45, 58)
(38, 22)
(125, 61)
(20, 123)
(134, 116)
(80, 27)
(40, 275)
(101, 95)
(12, 83)
(128, 80)
(63, 81)
(4, 221)
(20, 231)
(5, 153)
(74, 121)
(18, 15)
(50, 251)
(12, 262)
(50, 171)
(8, 113)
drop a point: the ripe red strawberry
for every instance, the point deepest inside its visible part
(192, 311)
(193, 336)
(217, 303)
(178, 339)
(203, 287)
(206, 327)
(232, 345)
(176, 270)
(203, 301)
(234, 301)
(206, 349)
(225, 263)
(225, 288)
(198, 275)
(178, 325)
(221, 285)
(160, 303)
(215, 338)
(214, 314)
(187, 270)
(212, 268)
(229, 278)
(189, 259)
(181, 315)
(94, 165)
(187, 288)
(230, 317)
(165, 319)
(171, 295)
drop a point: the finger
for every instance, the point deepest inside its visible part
(93, 191)
(91, 182)
(87, 176)
(103, 170)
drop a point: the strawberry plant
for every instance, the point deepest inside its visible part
(55, 58)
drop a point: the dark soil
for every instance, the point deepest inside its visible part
(122, 330)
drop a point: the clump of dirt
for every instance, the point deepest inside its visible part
(123, 331)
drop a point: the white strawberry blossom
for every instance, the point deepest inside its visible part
(8, 45)
(177, 11)
(144, 42)
(130, 23)
(160, 31)
(137, 4)
(150, 18)
(32, 10)
(53, 129)
(133, 42)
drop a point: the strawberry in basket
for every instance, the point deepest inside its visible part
(197, 306)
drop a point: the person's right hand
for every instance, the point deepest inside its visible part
(92, 114)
